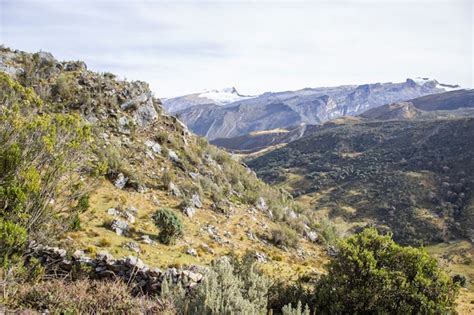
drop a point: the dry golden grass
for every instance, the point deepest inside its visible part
(96, 235)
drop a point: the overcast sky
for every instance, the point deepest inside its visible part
(182, 47)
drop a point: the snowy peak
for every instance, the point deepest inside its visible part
(223, 96)
(423, 81)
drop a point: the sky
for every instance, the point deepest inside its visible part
(256, 46)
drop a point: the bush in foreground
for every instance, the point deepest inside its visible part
(373, 274)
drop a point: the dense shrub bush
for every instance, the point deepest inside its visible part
(284, 236)
(231, 287)
(40, 159)
(373, 274)
(169, 224)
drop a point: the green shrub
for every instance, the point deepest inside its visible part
(284, 236)
(12, 239)
(373, 274)
(289, 310)
(231, 287)
(39, 156)
(169, 224)
(75, 223)
(285, 293)
(83, 203)
(329, 231)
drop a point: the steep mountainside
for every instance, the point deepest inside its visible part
(142, 160)
(413, 177)
(310, 106)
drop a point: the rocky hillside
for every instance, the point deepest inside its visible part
(142, 160)
(292, 108)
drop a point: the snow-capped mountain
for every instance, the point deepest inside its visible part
(215, 119)
(447, 87)
(215, 97)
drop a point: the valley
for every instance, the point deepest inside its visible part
(405, 168)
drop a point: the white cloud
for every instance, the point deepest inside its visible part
(182, 47)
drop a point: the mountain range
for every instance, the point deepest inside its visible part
(458, 103)
(208, 116)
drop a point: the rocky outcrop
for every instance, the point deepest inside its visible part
(146, 279)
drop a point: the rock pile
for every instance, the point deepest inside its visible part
(131, 269)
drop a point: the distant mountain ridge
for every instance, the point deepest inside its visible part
(216, 97)
(459, 103)
(291, 108)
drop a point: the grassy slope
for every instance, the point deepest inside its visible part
(106, 196)
(70, 87)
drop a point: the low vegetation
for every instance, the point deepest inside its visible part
(75, 156)
(169, 224)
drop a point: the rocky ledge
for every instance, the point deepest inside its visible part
(145, 279)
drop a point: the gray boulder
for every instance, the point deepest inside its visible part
(155, 147)
(173, 156)
(196, 201)
(189, 211)
(120, 227)
(120, 181)
(192, 252)
(133, 246)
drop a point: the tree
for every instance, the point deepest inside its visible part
(169, 224)
(373, 274)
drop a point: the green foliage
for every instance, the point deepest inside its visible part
(39, 156)
(329, 231)
(75, 223)
(373, 274)
(169, 224)
(83, 203)
(289, 310)
(460, 279)
(283, 293)
(12, 239)
(231, 288)
(284, 236)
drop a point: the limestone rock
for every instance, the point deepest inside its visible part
(196, 201)
(192, 252)
(133, 246)
(120, 227)
(189, 211)
(174, 190)
(173, 156)
(120, 181)
(155, 147)
(133, 261)
(312, 236)
(261, 204)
